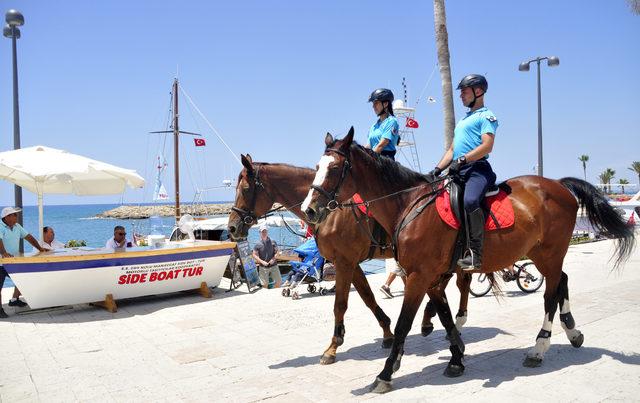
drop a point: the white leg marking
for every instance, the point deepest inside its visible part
(321, 174)
(460, 321)
(572, 334)
(542, 343)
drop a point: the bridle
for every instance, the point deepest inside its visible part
(333, 203)
(249, 217)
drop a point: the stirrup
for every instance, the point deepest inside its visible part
(468, 267)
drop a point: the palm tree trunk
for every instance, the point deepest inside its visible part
(442, 45)
(585, 173)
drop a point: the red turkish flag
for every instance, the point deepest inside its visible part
(412, 123)
(200, 142)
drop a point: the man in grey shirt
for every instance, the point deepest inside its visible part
(264, 254)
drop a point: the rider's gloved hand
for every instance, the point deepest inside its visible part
(433, 175)
(455, 166)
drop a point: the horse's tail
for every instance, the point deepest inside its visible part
(603, 216)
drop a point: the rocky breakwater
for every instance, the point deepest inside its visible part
(165, 210)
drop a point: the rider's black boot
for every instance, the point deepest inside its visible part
(473, 257)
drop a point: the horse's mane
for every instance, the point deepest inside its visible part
(391, 171)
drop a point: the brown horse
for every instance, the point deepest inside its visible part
(545, 214)
(341, 239)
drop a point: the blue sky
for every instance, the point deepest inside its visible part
(274, 76)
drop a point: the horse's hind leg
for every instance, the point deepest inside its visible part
(344, 275)
(415, 289)
(543, 340)
(364, 290)
(566, 319)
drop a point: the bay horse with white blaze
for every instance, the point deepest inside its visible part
(345, 239)
(545, 214)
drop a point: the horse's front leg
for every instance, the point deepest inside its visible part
(430, 311)
(415, 289)
(344, 276)
(364, 290)
(455, 367)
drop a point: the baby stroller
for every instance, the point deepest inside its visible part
(308, 271)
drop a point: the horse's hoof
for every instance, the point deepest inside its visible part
(380, 386)
(387, 343)
(532, 362)
(327, 359)
(577, 342)
(453, 371)
(339, 341)
(426, 330)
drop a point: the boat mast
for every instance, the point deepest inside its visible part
(176, 135)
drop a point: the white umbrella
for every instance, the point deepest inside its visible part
(43, 170)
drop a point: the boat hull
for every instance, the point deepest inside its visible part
(65, 277)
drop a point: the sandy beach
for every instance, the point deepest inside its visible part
(251, 347)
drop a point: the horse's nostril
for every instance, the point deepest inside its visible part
(232, 229)
(310, 213)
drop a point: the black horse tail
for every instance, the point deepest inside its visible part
(604, 218)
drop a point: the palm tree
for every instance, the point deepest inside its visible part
(604, 179)
(610, 175)
(635, 167)
(584, 158)
(623, 182)
(442, 45)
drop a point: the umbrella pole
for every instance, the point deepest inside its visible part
(40, 217)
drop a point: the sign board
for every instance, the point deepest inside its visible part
(249, 270)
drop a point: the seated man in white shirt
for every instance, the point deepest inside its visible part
(119, 240)
(48, 239)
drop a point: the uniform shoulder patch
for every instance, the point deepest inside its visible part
(491, 118)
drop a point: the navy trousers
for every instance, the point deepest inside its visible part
(478, 177)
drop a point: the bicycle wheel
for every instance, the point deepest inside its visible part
(480, 285)
(529, 278)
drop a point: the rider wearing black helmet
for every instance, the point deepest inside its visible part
(469, 152)
(383, 135)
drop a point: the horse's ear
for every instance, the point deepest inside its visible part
(349, 138)
(328, 140)
(246, 162)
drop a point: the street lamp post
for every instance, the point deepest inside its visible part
(524, 66)
(14, 20)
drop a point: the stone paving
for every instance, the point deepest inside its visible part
(250, 347)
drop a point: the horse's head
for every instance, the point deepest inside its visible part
(250, 202)
(331, 185)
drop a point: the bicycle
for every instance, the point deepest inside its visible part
(527, 277)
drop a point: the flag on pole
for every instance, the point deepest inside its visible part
(412, 123)
(200, 142)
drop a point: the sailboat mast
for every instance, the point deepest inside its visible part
(176, 134)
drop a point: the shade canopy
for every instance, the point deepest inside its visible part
(44, 170)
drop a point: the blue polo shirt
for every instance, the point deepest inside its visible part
(469, 130)
(11, 237)
(387, 129)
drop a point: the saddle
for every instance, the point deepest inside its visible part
(496, 205)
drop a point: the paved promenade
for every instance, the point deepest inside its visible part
(246, 348)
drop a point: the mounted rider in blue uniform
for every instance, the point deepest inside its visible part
(384, 134)
(468, 155)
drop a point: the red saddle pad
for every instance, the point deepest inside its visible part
(499, 204)
(357, 199)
